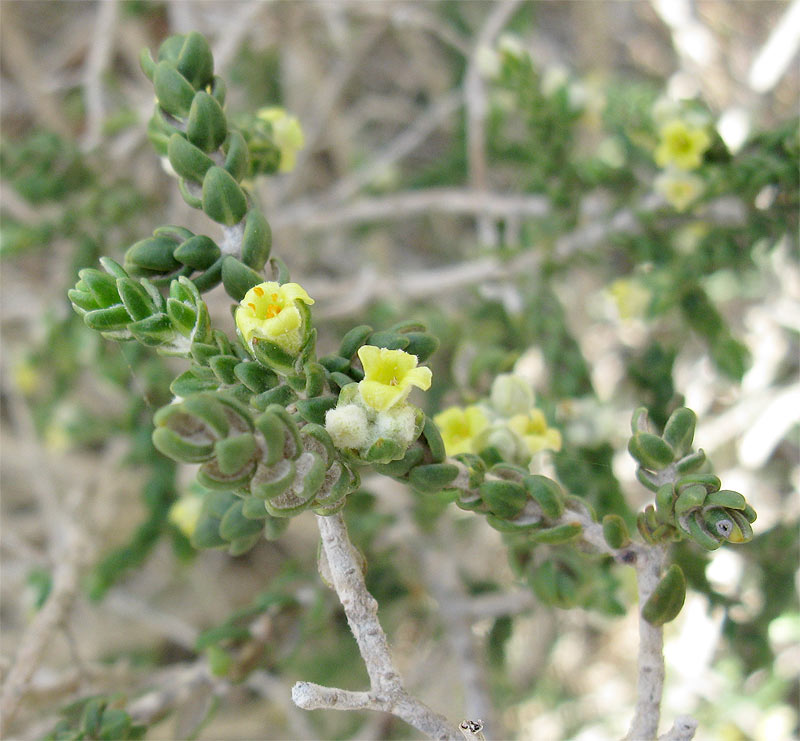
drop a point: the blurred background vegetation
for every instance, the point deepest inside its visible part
(511, 206)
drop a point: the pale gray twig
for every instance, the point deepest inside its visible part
(648, 560)
(326, 96)
(96, 63)
(315, 215)
(69, 563)
(401, 145)
(650, 684)
(445, 585)
(476, 105)
(682, 730)
(241, 24)
(129, 606)
(413, 14)
(386, 692)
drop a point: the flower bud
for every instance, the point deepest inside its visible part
(511, 395)
(347, 425)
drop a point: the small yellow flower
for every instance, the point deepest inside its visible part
(286, 133)
(459, 428)
(389, 376)
(533, 429)
(680, 189)
(26, 377)
(268, 311)
(185, 513)
(630, 296)
(681, 145)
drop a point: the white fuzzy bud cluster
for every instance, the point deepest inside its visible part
(355, 426)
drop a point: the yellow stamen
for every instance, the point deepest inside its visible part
(252, 306)
(259, 291)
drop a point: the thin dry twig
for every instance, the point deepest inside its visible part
(387, 693)
(649, 564)
(442, 577)
(401, 145)
(66, 580)
(650, 683)
(97, 61)
(314, 215)
(682, 730)
(477, 106)
(330, 91)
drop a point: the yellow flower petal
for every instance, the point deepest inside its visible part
(389, 376)
(381, 396)
(533, 430)
(268, 311)
(286, 133)
(681, 145)
(459, 428)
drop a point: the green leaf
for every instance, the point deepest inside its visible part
(650, 450)
(235, 525)
(253, 508)
(667, 599)
(547, 493)
(181, 316)
(200, 252)
(206, 126)
(504, 498)
(314, 410)
(383, 451)
(615, 531)
(136, 300)
(421, 344)
(173, 90)
(237, 156)
(102, 286)
(234, 453)
(223, 200)
(432, 477)
(237, 278)
(195, 61)
(224, 367)
(434, 439)
(679, 430)
(558, 534)
(272, 356)
(280, 395)
(352, 340)
(151, 254)
(107, 320)
(256, 240)
(272, 481)
(172, 445)
(255, 376)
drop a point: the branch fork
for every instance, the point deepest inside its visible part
(386, 693)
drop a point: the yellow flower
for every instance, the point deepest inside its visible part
(185, 513)
(681, 145)
(680, 189)
(269, 311)
(532, 428)
(389, 376)
(286, 133)
(459, 427)
(26, 377)
(630, 296)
